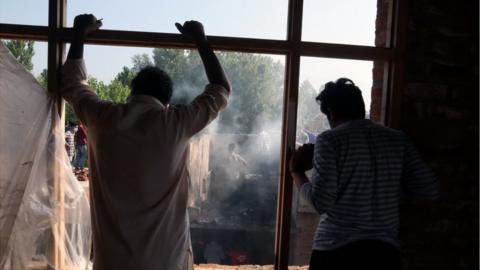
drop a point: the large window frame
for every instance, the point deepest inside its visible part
(57, 34)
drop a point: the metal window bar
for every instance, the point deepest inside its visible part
(293, 48)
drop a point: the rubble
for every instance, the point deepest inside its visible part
(81, 174)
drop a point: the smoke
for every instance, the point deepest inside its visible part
(244, 161)
(244, 147)
(185, 92)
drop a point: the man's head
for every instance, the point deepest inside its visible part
(154, 82)
(341, 101)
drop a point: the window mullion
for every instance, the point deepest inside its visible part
(392, 102)
(289, 126)
(57, 11)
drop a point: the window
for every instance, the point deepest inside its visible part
(275, 35)
(234, 163)
(221, 18)
(318, 71)
(340, 21)
(28, 12)
(314, 73)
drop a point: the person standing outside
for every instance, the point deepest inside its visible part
(81, 148)
(137, 157)
(360, 172)
(70, 140)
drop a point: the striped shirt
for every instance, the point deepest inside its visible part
(361, 169)
(69, 143)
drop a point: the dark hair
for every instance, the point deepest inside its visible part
(342, 98)
(154, 82)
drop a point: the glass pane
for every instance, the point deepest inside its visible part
(340, 21)
(235, 160)
(29, 12)
(314, 73)
(221, 18)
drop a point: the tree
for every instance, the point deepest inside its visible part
(23, 51)
(257, 96)
(309, 115)
(125, 76)
(115, 91)
(70, 115)
(257, 82)
(140, 61)
(43, 78)
(307, 105)
(186, 70)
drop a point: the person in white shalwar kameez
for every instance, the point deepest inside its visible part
(137, 157)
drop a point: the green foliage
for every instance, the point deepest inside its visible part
(140, 61)
(125, 76)
(114, 92)
(257, 83)
(23, 51)
(257, 96)
(43, 78)
(177, 63)
(70, 115)
(307, 105)
(117, 92)
(186, 70)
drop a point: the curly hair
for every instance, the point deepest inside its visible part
(342, 98)
(154, 82)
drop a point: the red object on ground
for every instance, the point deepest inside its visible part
(238, 257)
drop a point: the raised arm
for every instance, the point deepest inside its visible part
(206, 106)
(213, 68)
(74, 88)
(82, 26)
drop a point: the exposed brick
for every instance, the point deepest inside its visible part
(381, 39)
(440, 114)
(426, 91)
(377, 73)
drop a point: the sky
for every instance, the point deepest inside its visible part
(333, 21)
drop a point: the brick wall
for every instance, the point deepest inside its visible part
(440, 113)
(381, 30)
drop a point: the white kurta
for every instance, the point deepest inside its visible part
(139, 184)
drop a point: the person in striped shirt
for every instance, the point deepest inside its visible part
(70, 140)
(361, 170)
